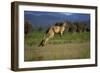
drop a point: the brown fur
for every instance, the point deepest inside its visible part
(57, 28)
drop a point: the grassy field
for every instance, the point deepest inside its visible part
(69, 46)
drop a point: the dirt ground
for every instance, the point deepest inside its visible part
(58, 52)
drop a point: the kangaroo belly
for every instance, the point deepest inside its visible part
(56, 29)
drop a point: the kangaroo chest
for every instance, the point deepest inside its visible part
(58, 29)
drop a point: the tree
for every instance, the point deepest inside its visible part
(27, 27)
(81, 26)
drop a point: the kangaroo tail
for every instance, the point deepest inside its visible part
(44, 40)
(41, 43)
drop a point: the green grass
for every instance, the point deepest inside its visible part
(69, 46)
(36, 37)
(33, 38)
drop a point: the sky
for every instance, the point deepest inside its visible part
(46, 19)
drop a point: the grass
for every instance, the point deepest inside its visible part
(36, 37)
(69, 46)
